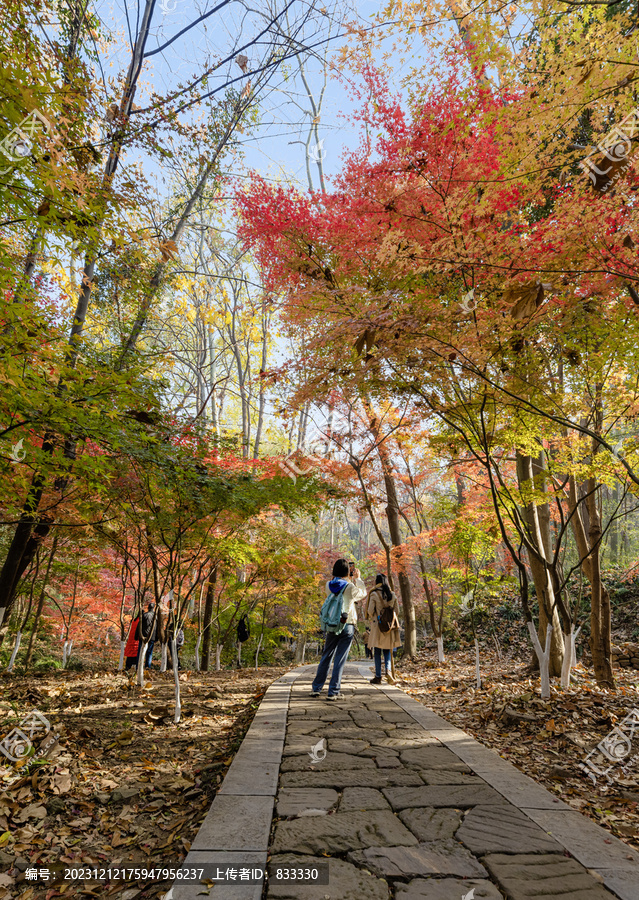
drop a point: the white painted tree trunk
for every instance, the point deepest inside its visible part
(574, 647)
(197, 653)
(141, 657)
(16, 647)
(218, 657)
(570, 656)
(477, 669)
(300, 650)
(239, 655)
(163, 658)
(64, 654)
(543, 656)
(69, 648)
(121, 663)
(440, 649)
(567, 661)
(257, 652)
(176, 679)
(2, 612)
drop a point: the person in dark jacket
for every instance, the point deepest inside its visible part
(149, 632)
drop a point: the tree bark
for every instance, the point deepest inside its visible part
(36, 620)
(208, 615)
(537, 519)
(394, 530)
(600, 619)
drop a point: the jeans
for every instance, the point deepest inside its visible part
(149, 654)
(337, 645)
(378, 661)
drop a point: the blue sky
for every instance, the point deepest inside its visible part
(276, 148)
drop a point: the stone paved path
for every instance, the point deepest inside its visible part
(403, 805)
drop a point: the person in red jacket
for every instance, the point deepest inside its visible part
(132, 648)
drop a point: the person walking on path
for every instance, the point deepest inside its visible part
(149, 632)
(381, 613)
(366, 640)
(132, 648)
(345, 579)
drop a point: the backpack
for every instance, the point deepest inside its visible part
(243, 630)
(331, 613)
(385, 619)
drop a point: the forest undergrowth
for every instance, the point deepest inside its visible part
(124, 786)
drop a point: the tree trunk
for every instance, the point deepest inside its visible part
(435, 623)
(208, 615)
(14, 653)
(600, 619)
(543, 656)
(570, 656)
(176, 680)
(257, 652)
(36, 620)
(262, 393)
(408, 607)
(26, 539)
(392, 517)
(300, 650)
(537, 518)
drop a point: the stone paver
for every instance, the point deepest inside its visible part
(403, 806)
(236, 823)
(447, 889)
(362, 798)
(332, 761)
(298, 801)
(429, 824)
(544, 877)
(458, 796)
(433, 756)
(342, 778)
(433, 858)
(346, 745)
(503, 829)
(343, 831)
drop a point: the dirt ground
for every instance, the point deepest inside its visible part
(124, 786)
(556, 734)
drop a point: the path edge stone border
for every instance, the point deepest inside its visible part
(615, 863)
(226, 838)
